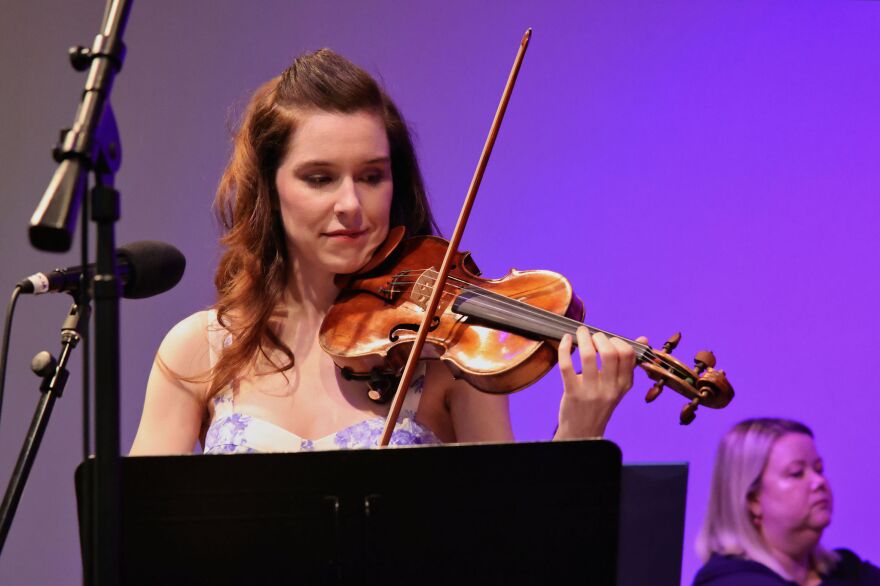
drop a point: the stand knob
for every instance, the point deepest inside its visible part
(80, 57)
(43, 364)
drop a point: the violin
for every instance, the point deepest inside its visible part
(500, 335)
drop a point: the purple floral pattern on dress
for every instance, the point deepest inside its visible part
(403, 437)
(238, 434)
(367, 434)
(359, 435)
(227, 435)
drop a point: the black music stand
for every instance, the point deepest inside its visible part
(652, 507)
(530, 513)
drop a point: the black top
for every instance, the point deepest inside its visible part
(732, 571)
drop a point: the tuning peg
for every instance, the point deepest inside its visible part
(672, 342)
(689, 412)
(703, 360)
(654, 391)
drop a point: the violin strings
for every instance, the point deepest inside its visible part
(535, 314)
(567, 325)
(562, 321)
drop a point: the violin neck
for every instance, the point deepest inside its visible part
(519, 317)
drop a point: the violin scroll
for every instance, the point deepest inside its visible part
(702, 384)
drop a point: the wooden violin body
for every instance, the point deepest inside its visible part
(375, 319)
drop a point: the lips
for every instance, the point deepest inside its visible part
(345, 234)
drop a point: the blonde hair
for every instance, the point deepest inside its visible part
(729, 528)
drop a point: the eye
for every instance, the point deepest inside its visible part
(317, 180)
(373, 177)
(796, 472)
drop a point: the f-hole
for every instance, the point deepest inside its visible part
(392, 335)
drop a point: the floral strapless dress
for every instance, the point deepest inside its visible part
(231, 432)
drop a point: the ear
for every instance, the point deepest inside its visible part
(754, 505)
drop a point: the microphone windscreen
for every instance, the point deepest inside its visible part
(153, 267)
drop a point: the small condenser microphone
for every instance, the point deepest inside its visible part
(146, 268)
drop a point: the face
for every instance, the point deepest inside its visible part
(794, 499)
(334, 190)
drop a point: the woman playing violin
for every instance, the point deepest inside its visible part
(322, 167)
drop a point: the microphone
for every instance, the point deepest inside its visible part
(54, 221)
(146, 267)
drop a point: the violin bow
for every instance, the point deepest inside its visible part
(454, 241)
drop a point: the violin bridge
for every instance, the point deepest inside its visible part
(424, 285)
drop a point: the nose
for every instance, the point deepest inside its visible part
(348, 201)
(819, 481)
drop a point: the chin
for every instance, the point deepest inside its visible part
(820, 519)
(345, 266)
(354, 264)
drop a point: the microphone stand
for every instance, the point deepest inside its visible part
(92, 144)
(54, 380)
(106, 289)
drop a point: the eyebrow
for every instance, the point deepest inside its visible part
(802, 462)
(320, 163)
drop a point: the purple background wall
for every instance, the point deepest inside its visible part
(708, 167)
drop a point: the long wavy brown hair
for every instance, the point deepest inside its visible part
(251, 277)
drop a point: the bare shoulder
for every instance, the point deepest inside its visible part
(175, 401)
(186, 349)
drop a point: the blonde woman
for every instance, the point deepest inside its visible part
(769, 505)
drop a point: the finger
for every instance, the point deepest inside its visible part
(625, 352)
(626, 364)
(589, 368)
(642, 340)
(608, 356)
(566, 368)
